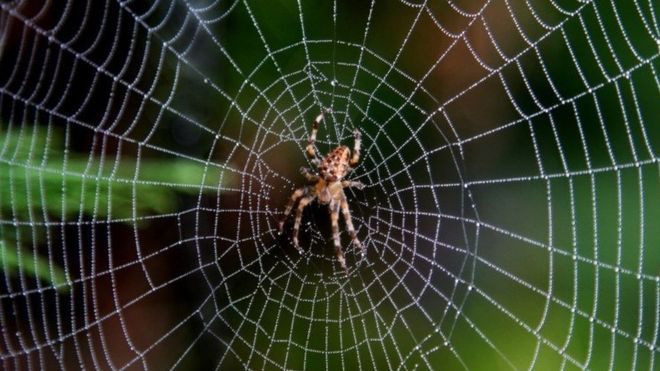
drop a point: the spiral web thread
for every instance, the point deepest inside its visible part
(510, 209)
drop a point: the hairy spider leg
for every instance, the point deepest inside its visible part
(299, 213)
(289, 206)
(352, 183)
(311, 151)
(312, 178)
(349, 223)
(334, 219)
(356, 148)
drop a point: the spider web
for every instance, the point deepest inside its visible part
(147, 150)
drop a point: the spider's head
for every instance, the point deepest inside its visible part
(335, 165)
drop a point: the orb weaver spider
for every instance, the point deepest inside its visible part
(328, 187)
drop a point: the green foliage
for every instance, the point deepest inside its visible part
(14, 260)
(39, 181)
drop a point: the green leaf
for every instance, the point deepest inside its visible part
(35, 180)
(15, 261)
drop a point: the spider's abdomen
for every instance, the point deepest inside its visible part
(335, 165)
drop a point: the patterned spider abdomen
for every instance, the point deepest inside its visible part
(335, 164)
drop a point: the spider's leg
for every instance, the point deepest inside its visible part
(296, 224)
(289, 206)
(356, 148)
(311, 151)
(349, 223)
(313, 178)
(334, 219)
(351, 183)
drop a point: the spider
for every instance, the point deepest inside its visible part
(328, 187)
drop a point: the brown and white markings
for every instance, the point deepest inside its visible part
(328, 187)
